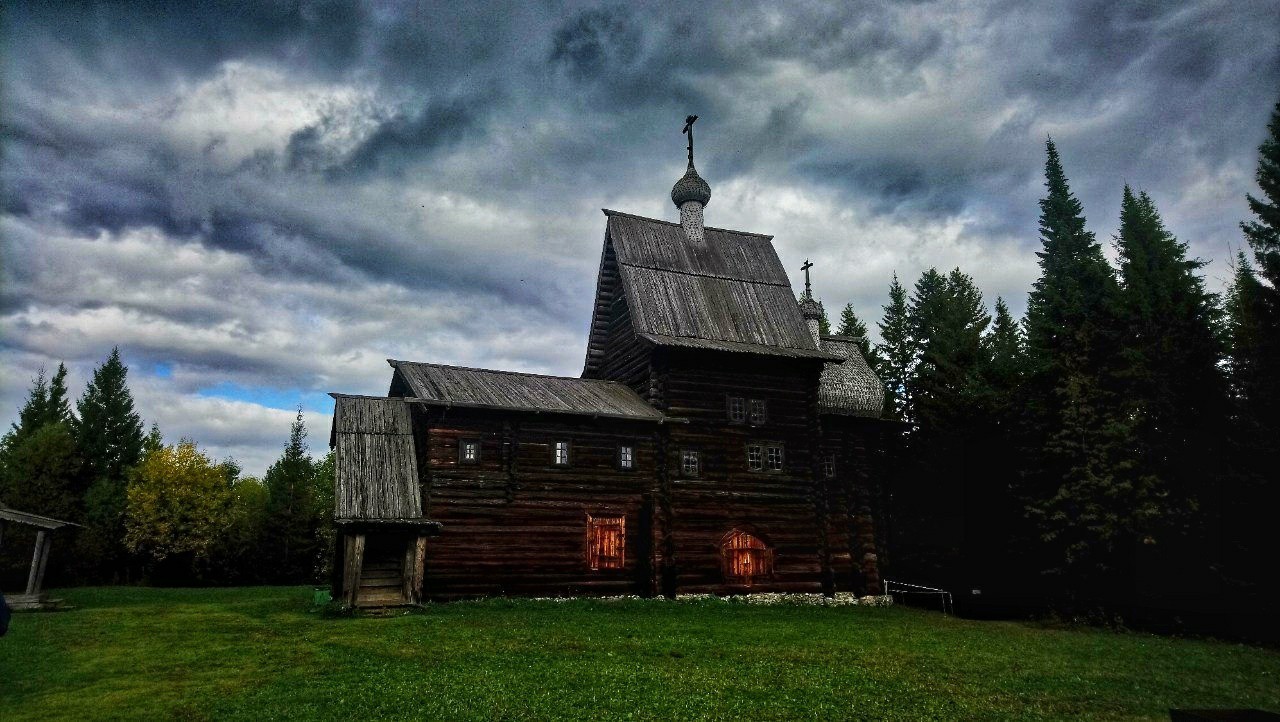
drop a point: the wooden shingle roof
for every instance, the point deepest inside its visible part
(850, 388)
(728, 293)
(456, 386)
(375, 463)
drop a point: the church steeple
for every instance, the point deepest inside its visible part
(691, 193)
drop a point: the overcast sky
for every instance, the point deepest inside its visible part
(261, 204)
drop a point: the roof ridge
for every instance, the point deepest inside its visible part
(503, 371)
(610, 212)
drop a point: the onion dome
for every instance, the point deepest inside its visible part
(690, 188)
(810, 308)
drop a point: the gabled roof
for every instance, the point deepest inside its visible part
(850, 388)
(451, 386)
(728, 293)
(375, 464)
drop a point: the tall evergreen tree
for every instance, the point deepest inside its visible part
(894, 353)
(1263, 233)
(1007, 353)
(1261, 400)
(291, 520)
(36, 456)
(109, 436)
(108, 429)
(851, 325)
(1073, 425)
(1170, 384)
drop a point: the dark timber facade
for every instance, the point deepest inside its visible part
(714, 443)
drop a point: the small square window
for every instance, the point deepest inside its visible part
(689, 463)
(755, 457)
(560, 454)
(829, 466)
(469, 451)
(773, 458)
(759, 412)
(737, 409)
(626, 457)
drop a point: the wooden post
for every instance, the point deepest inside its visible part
(37, 562)
(354, 562)
(419, 560)
(406, 572)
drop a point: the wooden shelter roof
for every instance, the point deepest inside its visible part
(850, 388)
(728, 293)
(457, 386)
(35, 520)
(376, 467)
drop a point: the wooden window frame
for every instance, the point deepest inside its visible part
(697, 462)
(829, 466)
(631, 448)
(462, 450)
(764, 412)
(761, 464)
(606, 532)
(555, 454)
(769, 448)
(742, 409)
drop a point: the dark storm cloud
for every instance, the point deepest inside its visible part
(282, 194)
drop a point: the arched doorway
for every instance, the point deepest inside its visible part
(746, 558)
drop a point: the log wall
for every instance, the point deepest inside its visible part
(780, 508)
(514, 522)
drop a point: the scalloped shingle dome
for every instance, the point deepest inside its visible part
(690, 187)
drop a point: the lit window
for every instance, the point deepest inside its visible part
(755, 457)
(758, 412)
(829, 466)
(745, 557)
(689, 463)
(561, 455)
(469, 451)
(606, 542)
(737, 409)
(773, 458)
(626, 457)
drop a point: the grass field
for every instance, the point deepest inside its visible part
(264, 653)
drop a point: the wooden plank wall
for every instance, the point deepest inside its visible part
(851, 499)
(781, 508)
(514, 523)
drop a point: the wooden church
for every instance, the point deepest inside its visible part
(715, 442)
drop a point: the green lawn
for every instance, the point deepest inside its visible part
(263, 653)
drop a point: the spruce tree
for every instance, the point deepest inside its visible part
(109, 437)
(1261, 403)
(37, 458)
(894, 352)
(108, 430)
(1169, 382)
(1263, 233)
(1073, 424)
(851, 325)
(1006, 350)
(291, 532)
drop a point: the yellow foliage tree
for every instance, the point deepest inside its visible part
(179, 502)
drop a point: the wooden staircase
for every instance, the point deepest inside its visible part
(381, 583)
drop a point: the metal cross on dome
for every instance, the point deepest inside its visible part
(808, 292)
(688, 130)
